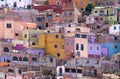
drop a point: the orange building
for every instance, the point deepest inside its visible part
(55, 2)
(81, 4)
(28, 25)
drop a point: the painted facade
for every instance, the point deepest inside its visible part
(112, 47)
(109, 12)
(94, 51)
(81, 4)
(29, 36)
(53, 44)
(81, 45)
(115, 29)
(16, 3)
(116, 3)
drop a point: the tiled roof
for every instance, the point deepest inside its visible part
(57, 9)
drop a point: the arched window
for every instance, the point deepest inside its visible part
(6, 49)
(15, 58)
(20, 58)
(25, 59)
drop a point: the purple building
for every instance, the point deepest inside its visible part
(35, 51)
(104, 53)
(94, 51)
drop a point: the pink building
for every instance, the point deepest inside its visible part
(116, 3)
(81, 45)
(10, 29)
(69, 45)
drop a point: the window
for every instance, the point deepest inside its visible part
(58, 54)
(20, 58)
(9, 25)
(114, 27)
(58, 3)
(38, 19)
(78, 29)
(69, 25)
(70, 21)
(68, 31)
(95, 11)
(11, 70)
(82, 9)
(33, 43)
(67, 70)
(77, 46)
(77, 35)
(51, 59)
(98, 48)
(15, 4)
(91, 48)
(87, 61)
(115, 38)
(97, 62)
(55, 46)
(34, 59)
(15, 58)
(62, 37)
(65, 13)
(25, 59)
(57, 36)
(25, 36)
(118, 1)
(115, 46)
(82, 47)
(46, 24)
(70, 13)
(73, 70)
(78, 53)
(96, 18)
(6, 49)
(84, 36)
(79, 71)
(16, 34)
(60, 70)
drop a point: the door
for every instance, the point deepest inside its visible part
(95, 73)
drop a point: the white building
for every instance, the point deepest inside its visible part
(62, 71)
(15, 3)
(114, 29)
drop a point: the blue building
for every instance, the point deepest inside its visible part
(113, 47)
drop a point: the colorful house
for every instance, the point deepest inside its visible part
(112, 47)
(81, 44)
(81, 4)
(29, 36)
(114, 29)
(16, 3)
(53, 43)
(94, 51)
(116, 3)
(109, 12)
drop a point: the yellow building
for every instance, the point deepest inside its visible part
(53, 44)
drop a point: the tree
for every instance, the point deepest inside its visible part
(89, 7)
